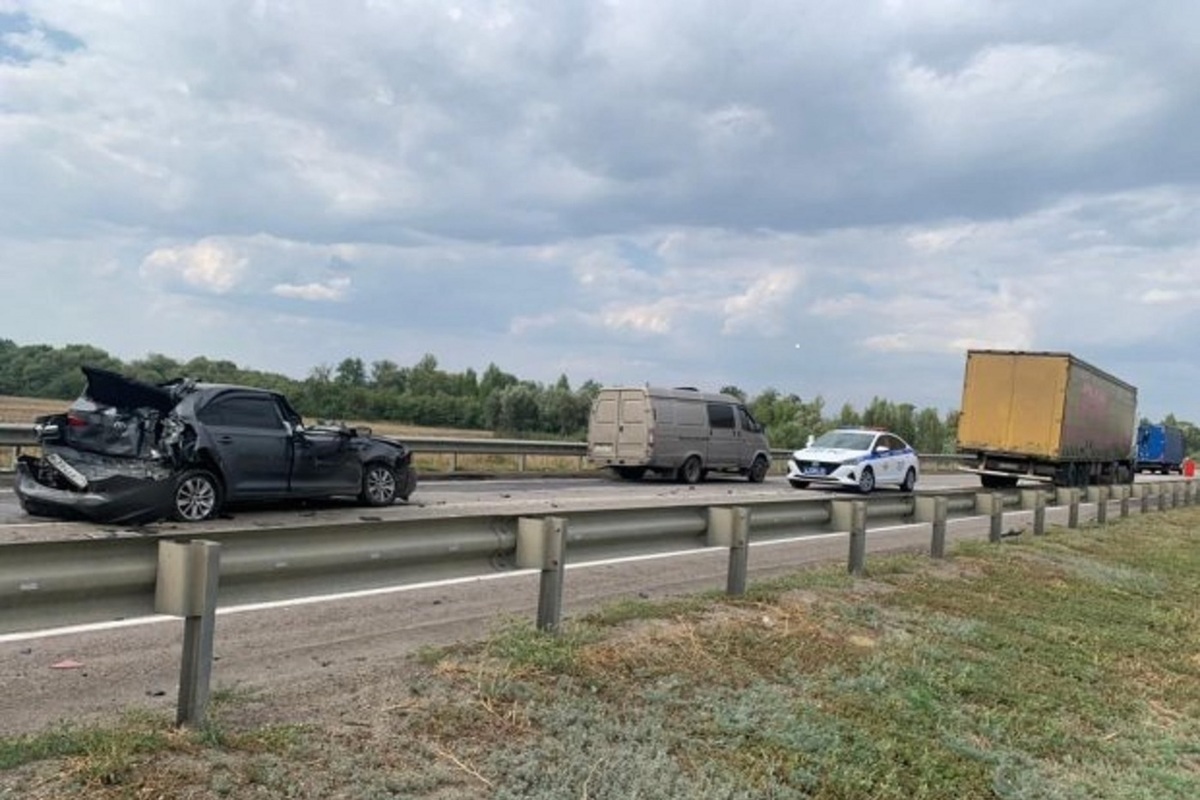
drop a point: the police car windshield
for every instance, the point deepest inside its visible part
(845, 440)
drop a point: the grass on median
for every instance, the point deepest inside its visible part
(1065, 666)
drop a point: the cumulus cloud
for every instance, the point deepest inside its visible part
(208, 266)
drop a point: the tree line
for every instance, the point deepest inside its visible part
(425, 394)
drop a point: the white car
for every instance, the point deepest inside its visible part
(857, 458)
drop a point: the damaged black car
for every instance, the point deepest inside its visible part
(131, 452)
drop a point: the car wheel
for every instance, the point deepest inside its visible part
(691, 471)
(197, 496)
(866, 481)
(798, 484)
(910, 480)
(758, 470)
(378, 485)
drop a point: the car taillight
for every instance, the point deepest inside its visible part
(76, 422)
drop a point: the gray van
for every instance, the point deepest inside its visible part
(683, 433)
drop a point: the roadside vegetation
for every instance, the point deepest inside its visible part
(1064, 666)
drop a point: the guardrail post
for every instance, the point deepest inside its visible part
(1163, 499)
(542, 544)
(1070, 498)
(1124, 492)
(729, 526)
(858, 537)
(453, 463)
(1189, 493)
(1035, 500)
(186, 586)
(1099, 496)
(1141, 493)
(933, 510)
(1176, 494)
(991, 504)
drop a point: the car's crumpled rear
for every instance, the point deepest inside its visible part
(109, 458)
(114, 489)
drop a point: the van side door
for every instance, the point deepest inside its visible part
(724, 443)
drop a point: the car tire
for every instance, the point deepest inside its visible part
(910, 480)
(758, 470)
(798, 484)
(691, 471)
(866, 481)
(379, 485)
(196, 497)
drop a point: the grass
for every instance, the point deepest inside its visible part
(1057, 667)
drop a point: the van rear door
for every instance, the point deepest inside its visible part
(633, 426)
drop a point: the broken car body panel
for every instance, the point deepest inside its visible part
(119, 453)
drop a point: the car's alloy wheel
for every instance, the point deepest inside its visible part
(197, 496)
(866, 481)
(910, 480)
(379, 485)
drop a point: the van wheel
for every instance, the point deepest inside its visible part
(758, 470)
(691, 471)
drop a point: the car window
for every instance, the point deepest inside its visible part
(720, 415)
(846, 440)
(243, 412)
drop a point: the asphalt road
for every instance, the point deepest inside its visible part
(301, 655)
(449, 497)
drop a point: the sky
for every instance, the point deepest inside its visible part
(830, 198)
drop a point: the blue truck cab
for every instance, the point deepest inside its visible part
(1159, 448)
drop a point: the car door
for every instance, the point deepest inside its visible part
(253, 444)
(325, 462)
(891, 459)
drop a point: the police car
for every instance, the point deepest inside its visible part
(857, 458)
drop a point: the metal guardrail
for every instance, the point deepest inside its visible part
(52, 583)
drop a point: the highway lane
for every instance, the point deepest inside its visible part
(437, 498)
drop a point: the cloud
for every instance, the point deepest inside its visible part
(332, 290)
(208, 266)
(763, 306)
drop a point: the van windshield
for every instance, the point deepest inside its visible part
(844, 440)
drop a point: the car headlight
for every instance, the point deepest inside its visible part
(850, 462)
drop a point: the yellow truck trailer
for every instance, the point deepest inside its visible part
(1045, 416)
